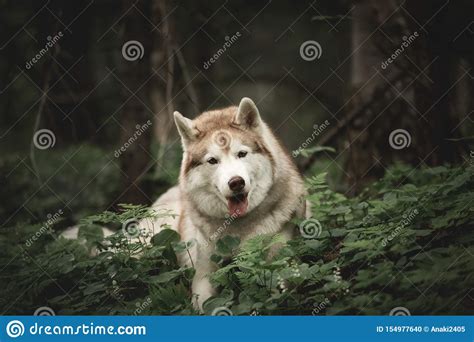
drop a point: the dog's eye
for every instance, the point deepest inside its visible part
(212, 161)
(241, 154)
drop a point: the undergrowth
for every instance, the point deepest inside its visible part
(406, 241)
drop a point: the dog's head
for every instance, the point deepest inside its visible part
(227, 168)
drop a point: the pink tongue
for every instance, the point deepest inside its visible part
(237, 208)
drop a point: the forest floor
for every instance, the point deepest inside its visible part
(406, 243)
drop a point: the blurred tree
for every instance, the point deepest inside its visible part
(162, 64)
(448, 48)
(411, 91)
(135, 161)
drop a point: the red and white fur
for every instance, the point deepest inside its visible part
(236, 179)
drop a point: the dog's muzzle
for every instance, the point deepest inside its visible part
(237, 202)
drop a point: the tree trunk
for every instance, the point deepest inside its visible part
(366, 132)
(135, 160)
(419, 103)
(163, 64)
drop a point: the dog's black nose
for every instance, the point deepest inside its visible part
(236, 184)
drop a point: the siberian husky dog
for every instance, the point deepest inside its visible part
(235, 179)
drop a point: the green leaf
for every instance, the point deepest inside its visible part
(165, 238)
(227, 245)
(164, 277)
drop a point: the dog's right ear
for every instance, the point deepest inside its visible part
(185, 128)
(248, 115)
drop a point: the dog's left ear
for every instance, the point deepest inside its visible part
(248, 115)
(186, 129)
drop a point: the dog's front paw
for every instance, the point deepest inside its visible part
(203, 290)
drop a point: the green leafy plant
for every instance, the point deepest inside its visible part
(407, 240)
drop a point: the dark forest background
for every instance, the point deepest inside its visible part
(92, 98)
(384, 66)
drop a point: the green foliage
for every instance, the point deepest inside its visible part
(115, 275)
(306, 152)
(80, 171)
(406, 241)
